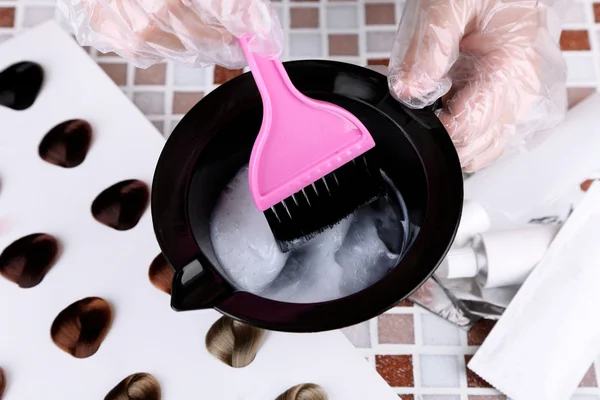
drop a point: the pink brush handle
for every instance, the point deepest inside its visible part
(270, 76)
(300, 140)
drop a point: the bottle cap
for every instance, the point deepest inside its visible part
(474, 220)
(459, 263)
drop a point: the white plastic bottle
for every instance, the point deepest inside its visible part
(501, 258)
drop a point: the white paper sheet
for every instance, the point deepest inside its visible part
(550, 334)
(146, 335)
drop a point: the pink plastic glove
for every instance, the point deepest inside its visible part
(495, 63)
(192, 32)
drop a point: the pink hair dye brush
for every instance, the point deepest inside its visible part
(308, 169)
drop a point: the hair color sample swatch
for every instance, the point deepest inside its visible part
(20, 85)
(305, 391)
(2, 382)
(27, 260)
(234, 342)
(161, 274)
(122, 205)
(140, 386)
(67, 144)
(80, 328)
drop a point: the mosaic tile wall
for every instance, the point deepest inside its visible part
(421, 356)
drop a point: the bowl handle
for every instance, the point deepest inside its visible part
(197, 288)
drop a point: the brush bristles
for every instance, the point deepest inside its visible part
(300, 217)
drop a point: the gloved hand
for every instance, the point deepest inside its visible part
(495, 63)
(192, 32)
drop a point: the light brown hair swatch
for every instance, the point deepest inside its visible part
(161, 274)
(122, 205)
(234, 342)
(140, 386)
(2, 382)
(80, 328)
(67, 144)
(305, 391)
(27, 260)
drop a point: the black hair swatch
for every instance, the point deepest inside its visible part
(67, 144)
(161, 274)
(122, 205)
(27, 260)
(20, 85)
(80, 328)
(140, 386)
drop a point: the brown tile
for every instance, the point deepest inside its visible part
(116, 72)
(304, 17)
(488, 397)
(596, 12)
(405, 302)
(154, 75)
(575, 40)
(379, 61)
(380, 14)
(396, 370)
(589, 380)
(108, 54)
(343, 45)
(577, 95)
(406, 396)
(474, 380)
(479, 332)
(7, 17)
(184, 101)
(223, 75)
(397, 329)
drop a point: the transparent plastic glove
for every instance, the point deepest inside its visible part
(496, 64)
(192, 32)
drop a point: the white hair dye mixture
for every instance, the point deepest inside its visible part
(338, 262)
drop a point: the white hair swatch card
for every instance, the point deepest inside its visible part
(95, 260)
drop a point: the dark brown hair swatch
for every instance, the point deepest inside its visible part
(140, 386)
(27, 260)
(122, 205)
(67, 144)
(234, 342)
(161, 274)
(2, 382)
(305, 391)
(80, 328)
(20, 85)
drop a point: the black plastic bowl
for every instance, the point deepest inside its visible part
(214, 140)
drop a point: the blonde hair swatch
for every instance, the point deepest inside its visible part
(305, 391)
(80, 328)
(140, 386)
(2, 382)
(234, 342)
(161, 274)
